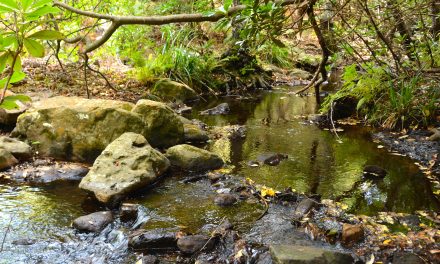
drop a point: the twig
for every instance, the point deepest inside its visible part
(6, 232)
(103, 76)
(333, 124)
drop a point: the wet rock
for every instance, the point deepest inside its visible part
(172, 91)
(352, 234)
(271, 159)
(127, 164)
(373, 171)
(24, 242)
(158, 239)
(229, 132)
(8, 117)
(184, 110)
(6, 159)
(93, 222)
(225, 199)
(73, 128)
(195, 243)
(303, 208)
(264, 258)
(19, 149)
(150, 259)
(193, 133)
(191, 158)
(221, 109)
(51, 173)
(128, 212)
(407, 258)
(294, 254)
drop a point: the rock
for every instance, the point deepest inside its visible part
(73, 128)
(191, 158)
(225, 199)
(163, 126)
(352, 234)
(172, 91)
(300, 74)
(435, 136)
(24, 242)
(303, 208)
(193, 133)
(184, 110)
(127, 164)
(150, 259)
(8, 117)
(221, 109)
(373, 171)
(19, 149)
(152, 240)
(195, 243)
(294, 254)
(128, 212)
(407, 258)
(93, 222)
(411, 221)
(6, 159)
(271, 159)
(51, 173)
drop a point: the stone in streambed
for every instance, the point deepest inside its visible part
(73, 128)
(221, 109)
(271, 159)
(173, 91)
(51, 173)
(193, 133)
(352, 234)
(195, 243)
(158, 239)
(225, 199)
(303, 208)
(191, 158)
(6, 159)
(127, 164)
(19, 149)
(295, 254)
(128, 212)
(94, 222)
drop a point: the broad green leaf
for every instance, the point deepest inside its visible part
(4, 9)
(47, 35)
(17, 66)
(34, 48)
(25, 4)
(42, 11)
(10, 4)
(3, 60)
(10, 42)
(361, 103)
(40, 3)
(227, 4)
(16, 77)
(11, 102)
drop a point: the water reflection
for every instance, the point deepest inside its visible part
(317, 163)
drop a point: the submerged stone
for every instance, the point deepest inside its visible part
(127, 164)
(294, 254)
(225, 199)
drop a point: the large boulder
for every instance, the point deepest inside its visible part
(74, 128)
(172, 91)
(16, 147)
(191, 158)
(127, 164)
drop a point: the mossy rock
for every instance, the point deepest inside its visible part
(191, 158)
(171, 91)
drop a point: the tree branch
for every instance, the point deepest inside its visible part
(118, 21)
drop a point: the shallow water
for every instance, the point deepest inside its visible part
(317, 163)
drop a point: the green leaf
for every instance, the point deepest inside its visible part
(34, 48)
(10, 42)
(10, 4)
(47, 35)
(42, 11)
(40, 3)
(361, 103)
(4, 9)
(3, 59)
(25, 4)
(12, 102)
(16, 77)
(227, 4)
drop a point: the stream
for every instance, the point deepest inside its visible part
(37, 218)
